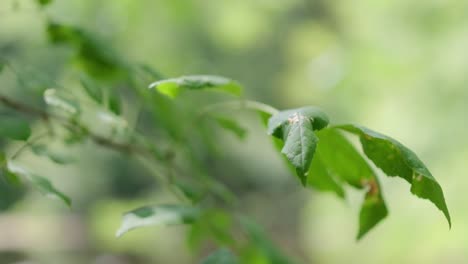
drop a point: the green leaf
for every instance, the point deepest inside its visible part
(397, 160)
(114, 103)
(14, 128)
(260, 248)
(92, 89)
(158, 215)
(2, 66)
(173, 87)
(44, 151)
(61, 101)
(221, 256)
(322, 179)
(231, 125)
(44, 2)
(42, 184)
(296, 128)
(341, 160)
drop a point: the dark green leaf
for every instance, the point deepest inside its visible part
(42, 184)
(397, 160)
(14, 128)
(296, 128)
(322, 179)
(158, 215)
(92, 89)
(44, 2)
(114, 103)
(231, 125)
(341, 160)
(221, 256)
(173, 87)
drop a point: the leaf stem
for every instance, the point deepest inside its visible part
(244, 104)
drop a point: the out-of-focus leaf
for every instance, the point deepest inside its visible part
(44, 151)
(59, 100)
(44, 2)
(42, 184)
(221, 256)
(190, 190)
(158, 215)
(231, 125)
(397, 160)
(296, 128)
(173, 87)
(114, 103)
(2, 66)
(212, 225)
(260, 249)
(97, 57)
(92, 89)
(344, 162)
(14, 128)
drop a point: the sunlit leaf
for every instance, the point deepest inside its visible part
(397, 160)
(59, 100)
(221, 256)
(173, 87)
(40, 183)
(157, 215)
(14, 128)
(296, 128)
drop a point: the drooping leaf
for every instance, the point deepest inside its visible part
(42, 184)
(397, 160)
(158, 215)
(232, 126)
(296, 128)
(14, 128)
(61, 101)
(322, 179)
(92, 89)
(173, 87)
(341, 160)
(221, 256)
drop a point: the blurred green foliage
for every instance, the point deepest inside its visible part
(397, 66)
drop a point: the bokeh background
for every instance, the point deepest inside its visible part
(399, 67)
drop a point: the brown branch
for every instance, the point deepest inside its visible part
(98, 139)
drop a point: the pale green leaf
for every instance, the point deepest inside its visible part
(232, 126)
(173, 87)
(157, 215)
(61, 101)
